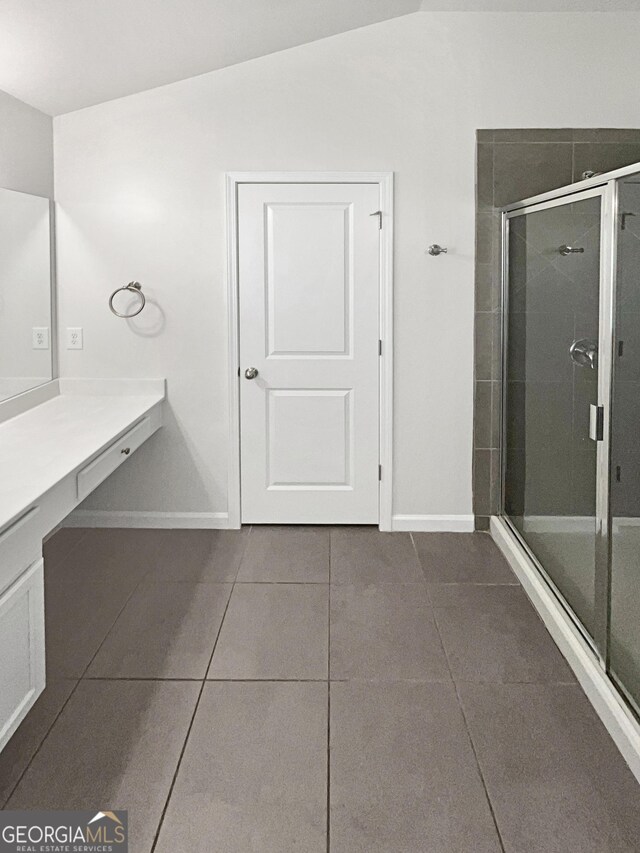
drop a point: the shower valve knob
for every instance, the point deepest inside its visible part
(436, 250)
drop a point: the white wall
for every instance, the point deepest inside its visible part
(26, 148)
(140, 183)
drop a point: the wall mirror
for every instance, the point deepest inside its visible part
(26, 335)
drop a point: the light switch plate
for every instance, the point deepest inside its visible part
(40, 337)
(74, 337)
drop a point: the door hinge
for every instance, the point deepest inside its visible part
(379, 472)
(378, 213)
(379, 347)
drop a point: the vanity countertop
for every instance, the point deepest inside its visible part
(44, 444)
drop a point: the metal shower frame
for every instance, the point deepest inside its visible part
(604, 186)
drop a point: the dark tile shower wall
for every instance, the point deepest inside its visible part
(625, 451)
(510, 165)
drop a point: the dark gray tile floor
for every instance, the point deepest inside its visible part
(312, 689)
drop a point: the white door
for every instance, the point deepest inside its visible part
(308, 272)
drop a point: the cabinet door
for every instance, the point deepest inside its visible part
(22, 655)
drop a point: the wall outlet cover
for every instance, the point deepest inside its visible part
(74, 337)
(40, 337)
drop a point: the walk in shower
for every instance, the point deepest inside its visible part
(570, 444)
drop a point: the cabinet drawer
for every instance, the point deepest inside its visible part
(20, 545)
(111, 458)
(22, 662)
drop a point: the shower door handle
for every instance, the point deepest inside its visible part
(596, 422)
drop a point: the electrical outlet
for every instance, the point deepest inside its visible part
(40, 337)
(74, 337)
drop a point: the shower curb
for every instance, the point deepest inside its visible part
(600, 690)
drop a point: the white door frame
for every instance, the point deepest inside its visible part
(384, 180)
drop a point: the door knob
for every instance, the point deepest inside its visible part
(251, 372)
(436, 250)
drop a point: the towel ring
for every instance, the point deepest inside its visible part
(132, 287)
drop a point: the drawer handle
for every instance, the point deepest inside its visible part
(126, 451)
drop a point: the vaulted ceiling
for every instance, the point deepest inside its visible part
(61, 55)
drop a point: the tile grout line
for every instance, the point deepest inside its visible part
(481, 774)
(464, 718)
(209, 680)
(279, 583)
(424, 574)
(197, 705)
(328, 825)
(468, 731)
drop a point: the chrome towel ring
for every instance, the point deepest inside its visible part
(132, 287)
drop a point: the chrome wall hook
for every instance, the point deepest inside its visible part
(436, 250)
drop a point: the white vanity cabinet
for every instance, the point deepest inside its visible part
(22, 655)
(52, 456)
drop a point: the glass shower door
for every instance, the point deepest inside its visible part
(551, 415)
(624, 632)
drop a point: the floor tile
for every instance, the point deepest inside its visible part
(115, 743)
(365, 555)
(556, 781)
(63, 541)
(166, 630)
(385, 631)
(253, 775)
(274, 631)
(17, 754)
(492, 633)
(403, 773)
(295, 554)
(78, 616)
(200, 555)
(462, 558)
(119, 557)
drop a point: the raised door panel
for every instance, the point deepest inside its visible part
(309, 439)
(308, 273)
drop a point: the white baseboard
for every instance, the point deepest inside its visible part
(171, 520)
(220, 520)
(433, 523)
(601, 692)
